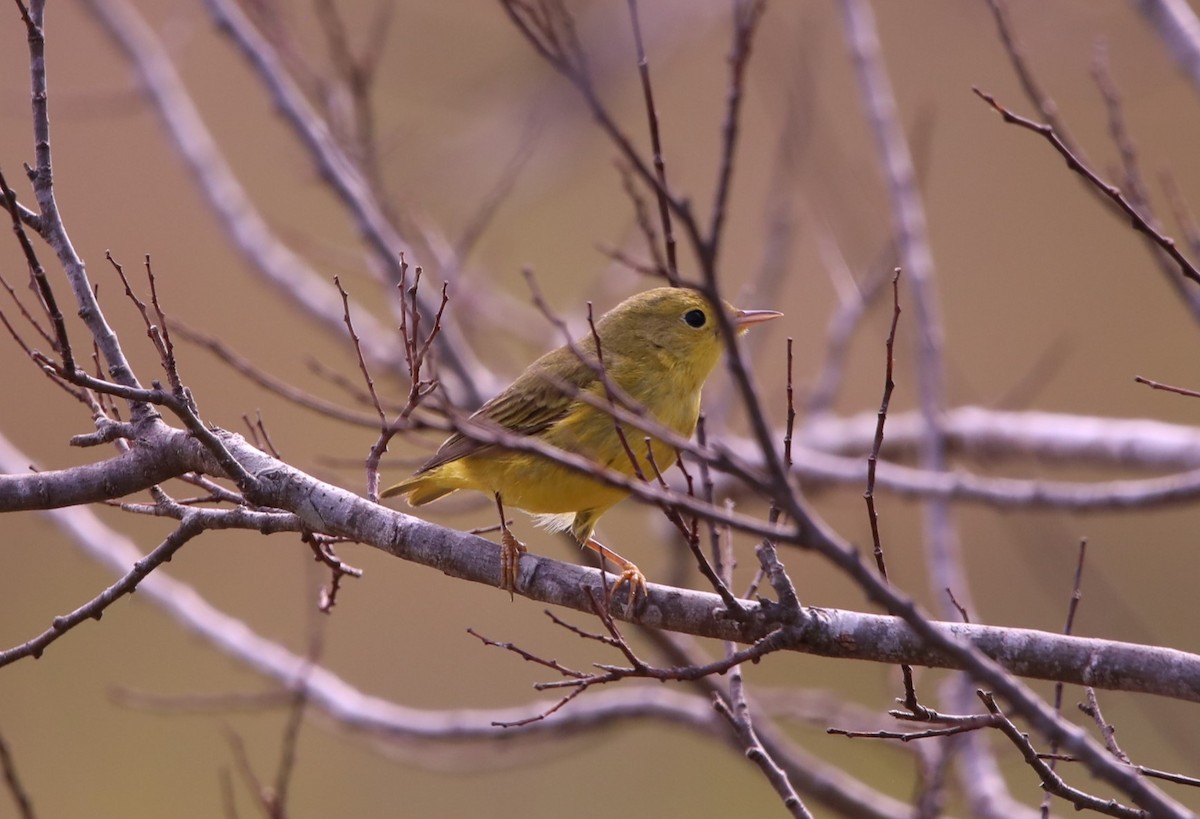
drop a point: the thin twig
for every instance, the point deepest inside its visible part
(94, 608)
(1072, 607)
(737, 712)
(16, 789)
(889, 385)
(765, 551)
(62, 343)
(671, 268)
(1133, 183)
(1046, 106)
(1111, 191)
(910, 691)
(1158, 385)
(1107, 729)
(357, 344)
(1050, 780)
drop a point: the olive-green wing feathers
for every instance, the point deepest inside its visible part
(530, 405)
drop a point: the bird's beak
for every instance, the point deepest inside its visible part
(742, 319)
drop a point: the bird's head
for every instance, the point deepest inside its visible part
(673, 324)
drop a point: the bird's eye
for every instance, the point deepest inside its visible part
(695, 318)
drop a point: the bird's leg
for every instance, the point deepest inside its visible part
(630, 574)
(511, 550)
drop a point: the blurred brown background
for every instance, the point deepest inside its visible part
(1027, 262)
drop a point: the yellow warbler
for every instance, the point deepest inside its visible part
(657, 347)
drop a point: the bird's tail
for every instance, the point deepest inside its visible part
(418, 490)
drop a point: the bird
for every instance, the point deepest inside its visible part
(657, 347)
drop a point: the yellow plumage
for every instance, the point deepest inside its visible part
(658, 347)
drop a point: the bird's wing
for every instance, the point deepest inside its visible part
(530, 405)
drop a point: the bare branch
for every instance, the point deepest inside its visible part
(16, 788)
(660, 168)
(1114, 193)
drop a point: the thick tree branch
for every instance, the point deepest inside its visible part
(828, 632)
(172, 454)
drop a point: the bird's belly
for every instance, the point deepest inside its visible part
(541, 486)
(544, 487)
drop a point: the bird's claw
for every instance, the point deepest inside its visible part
(632, 577)
(511, 550)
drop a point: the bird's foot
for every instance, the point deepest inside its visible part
(511, 550)
(632, 577)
